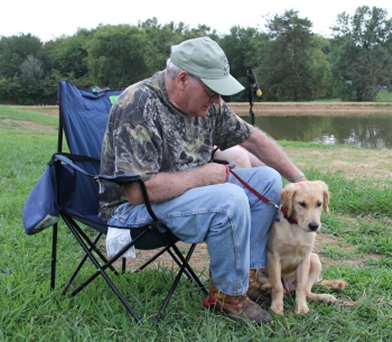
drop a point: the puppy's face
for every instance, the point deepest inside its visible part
(304, 201)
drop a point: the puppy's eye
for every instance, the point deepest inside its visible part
(318, 204)
(302, 204)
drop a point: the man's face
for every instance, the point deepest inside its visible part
(199, 97)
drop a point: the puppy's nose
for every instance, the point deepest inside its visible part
(313, 226)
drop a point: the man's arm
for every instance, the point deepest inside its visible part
(167, 185)
(269, 152)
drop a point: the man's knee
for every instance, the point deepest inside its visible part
(272, 181)
(232, 215)
(234, 197)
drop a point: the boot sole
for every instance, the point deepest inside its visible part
(216, 309)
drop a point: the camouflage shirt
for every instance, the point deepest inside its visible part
(146, 134)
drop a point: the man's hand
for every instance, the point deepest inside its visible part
(299, 177)
(212, 173)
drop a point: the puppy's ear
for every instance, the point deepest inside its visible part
(326, 198)
(287, 199)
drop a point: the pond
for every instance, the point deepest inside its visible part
(370, 131)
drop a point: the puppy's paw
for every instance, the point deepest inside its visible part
(277, 307)
(328, 298)
(337, 284)
(301, 309)
(322, 297)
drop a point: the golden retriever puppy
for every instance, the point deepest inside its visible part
(291, 262)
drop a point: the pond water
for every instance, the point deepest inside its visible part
(371, 131)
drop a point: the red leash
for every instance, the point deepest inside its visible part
(252, 190)
(260, 196)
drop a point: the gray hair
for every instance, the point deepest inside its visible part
(172, 70)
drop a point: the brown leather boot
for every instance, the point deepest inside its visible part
(236, 307)
(257, 291)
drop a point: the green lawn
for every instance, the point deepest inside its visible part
(356, 245)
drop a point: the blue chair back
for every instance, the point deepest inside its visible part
(84, 116)
(83, 119)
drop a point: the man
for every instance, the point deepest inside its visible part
(165, 128)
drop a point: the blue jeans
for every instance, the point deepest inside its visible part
(232, 221)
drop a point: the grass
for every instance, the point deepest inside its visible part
(355, 244)
(384, 96)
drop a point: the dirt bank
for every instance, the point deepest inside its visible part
(312, 108)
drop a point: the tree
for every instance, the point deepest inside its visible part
(21, 70)
(288, 60)
(362, 61)
(158, 41)
(14, 51)
(320, 70)
(31, 73)
(116, 56)
(68, 55)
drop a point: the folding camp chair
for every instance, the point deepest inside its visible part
(83, 118)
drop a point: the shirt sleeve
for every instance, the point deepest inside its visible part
(136, 139)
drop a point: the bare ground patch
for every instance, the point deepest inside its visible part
(312, 108)
(28, 125)
(326, 240)
(200, 259)
(352, 162)
(46, 110)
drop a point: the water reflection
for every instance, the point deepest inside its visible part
(373, 131)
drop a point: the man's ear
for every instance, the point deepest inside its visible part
(182, 78)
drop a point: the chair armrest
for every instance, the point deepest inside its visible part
(127, 179)
(121, 179)
(100, 179)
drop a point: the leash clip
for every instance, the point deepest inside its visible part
(273, 204)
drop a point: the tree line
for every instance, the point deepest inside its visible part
(290, 62)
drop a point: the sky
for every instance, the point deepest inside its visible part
(50, 19)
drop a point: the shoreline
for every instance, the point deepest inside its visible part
(313, 108)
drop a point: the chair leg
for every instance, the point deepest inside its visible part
(54, 258)
(81, 263)
(93, 244)
(150, 260)
(123, 264)
(107, 264)
(188, 270)
(175, 257)
(92, 247)
(176, 281)
(101, 271)
(89, 247)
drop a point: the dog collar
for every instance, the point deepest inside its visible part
(290, 219)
